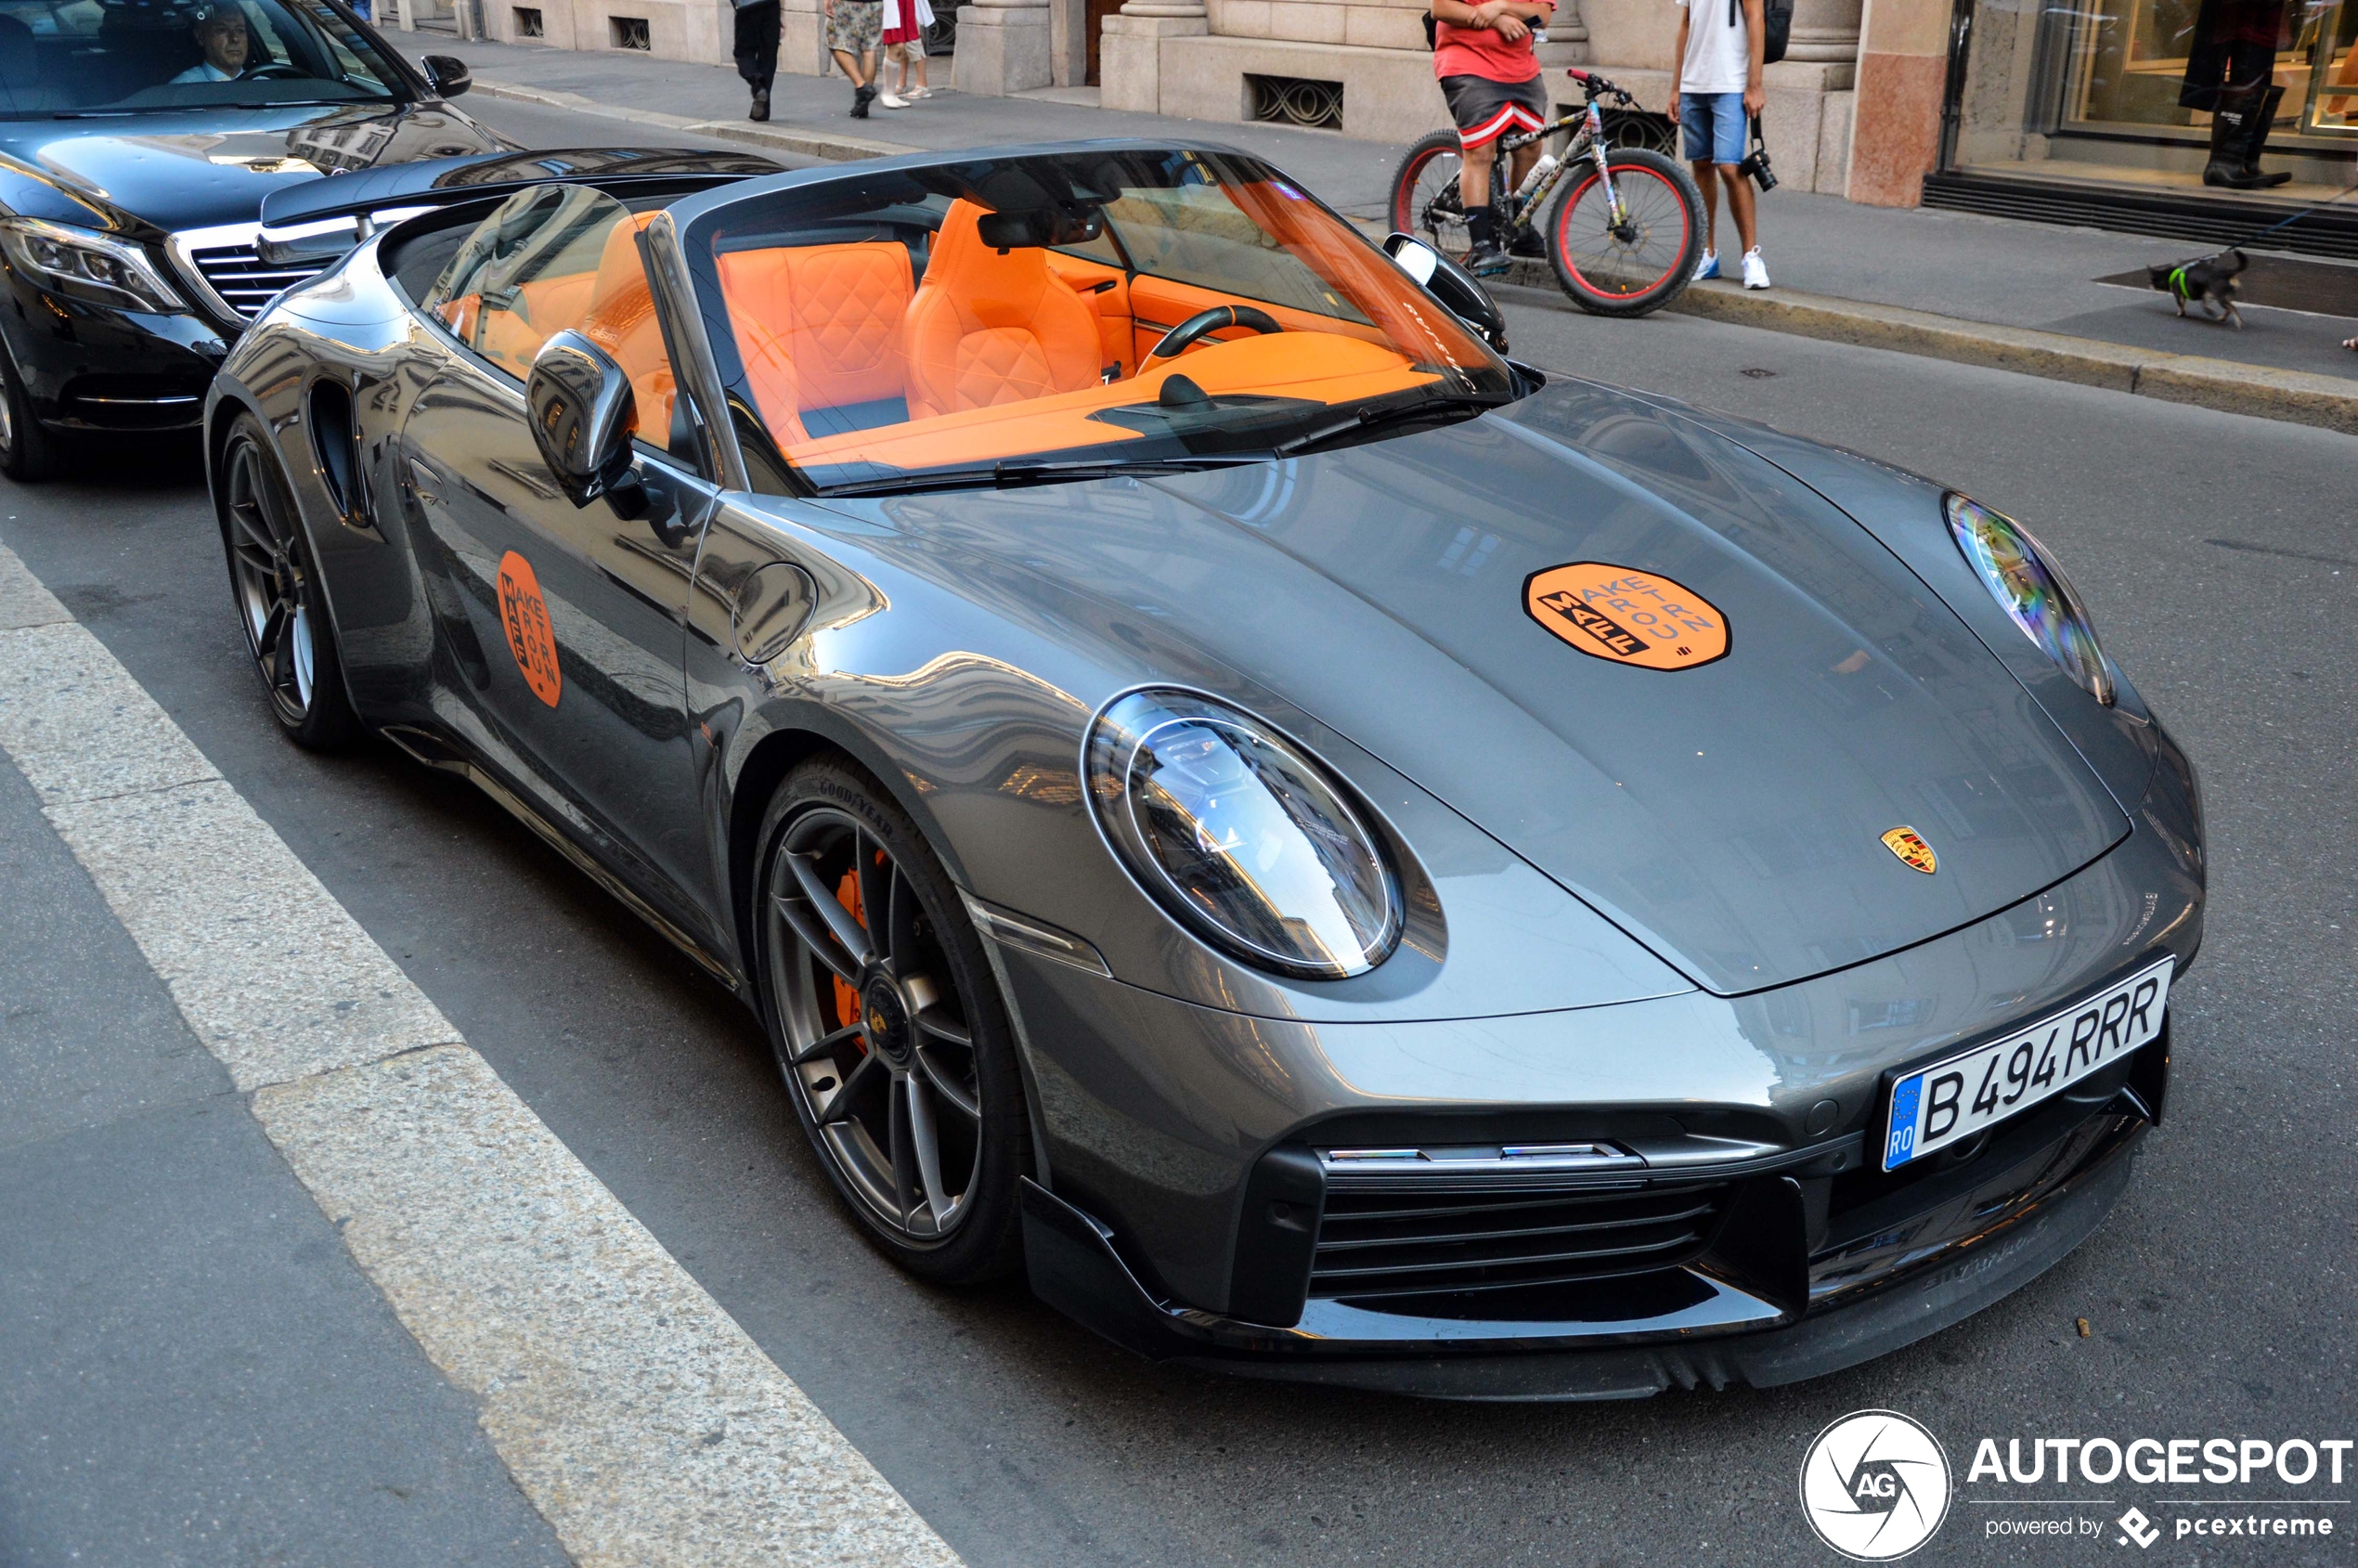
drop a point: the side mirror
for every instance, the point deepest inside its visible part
(446, 74)
(582, 409)
(1460, 293)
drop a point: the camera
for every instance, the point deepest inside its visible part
(1756, 165)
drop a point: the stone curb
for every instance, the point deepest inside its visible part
(782, 138)
(2294, 396)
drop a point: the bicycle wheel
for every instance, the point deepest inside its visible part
(1424, 195)
(1637, 266)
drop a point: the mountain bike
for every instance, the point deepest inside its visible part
(1625, 236)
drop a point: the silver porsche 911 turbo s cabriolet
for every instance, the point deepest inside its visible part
(1344, 857)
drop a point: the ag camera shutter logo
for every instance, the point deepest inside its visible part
(1874, 1485)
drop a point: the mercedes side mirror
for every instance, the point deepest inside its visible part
(582, 411)
(446, 74)
(1460, 293)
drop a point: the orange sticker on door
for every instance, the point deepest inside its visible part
(1626, 615)
(525, 614)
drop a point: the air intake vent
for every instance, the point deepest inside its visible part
(240, 279)
(1437, 1240)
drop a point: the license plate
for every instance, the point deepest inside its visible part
(1936, 1105)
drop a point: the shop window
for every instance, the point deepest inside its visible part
(528, 22)
(1294, 100)
(630, 32)
(2153, 93)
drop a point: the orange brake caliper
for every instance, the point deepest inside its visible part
(847, 999)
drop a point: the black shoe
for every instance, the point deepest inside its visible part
(1485, 260)
(1529, 243)
(760, 109)
(861, 98)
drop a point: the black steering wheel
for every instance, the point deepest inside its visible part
(272, 70)
(1176, 341)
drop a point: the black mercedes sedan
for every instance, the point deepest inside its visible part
(138, 142)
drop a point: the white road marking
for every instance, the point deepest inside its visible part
(642, 1422)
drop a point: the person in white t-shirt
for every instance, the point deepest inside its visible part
(1718, 92)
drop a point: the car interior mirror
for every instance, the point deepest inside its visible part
(582, 411)
(1041, 226)
(447, 75)
(1460, 294)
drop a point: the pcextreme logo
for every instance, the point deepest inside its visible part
(1874, 1485)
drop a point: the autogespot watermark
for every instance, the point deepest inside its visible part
(1876, 1484)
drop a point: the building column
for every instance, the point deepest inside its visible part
(1130, 50)
(1004, 47)
(1903, 70)
(1826, 30)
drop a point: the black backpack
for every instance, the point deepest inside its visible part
(1776, 18)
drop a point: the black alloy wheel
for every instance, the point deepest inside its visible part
(276, 591)
(889, 1027)
(28, 453)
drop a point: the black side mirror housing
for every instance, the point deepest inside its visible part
(447, 75)
(582, 410)
(1460, 294)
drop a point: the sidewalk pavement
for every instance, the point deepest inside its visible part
(1989, 290)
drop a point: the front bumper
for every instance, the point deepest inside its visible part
(1178, 1154)
(1764, 1306)
(86, 368)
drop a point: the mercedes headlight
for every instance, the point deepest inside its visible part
(85, 265)
(2029, 587)
(1241, 836)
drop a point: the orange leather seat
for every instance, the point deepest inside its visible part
(834, 312)
(987, 328)
(621, 320)
(770, 369)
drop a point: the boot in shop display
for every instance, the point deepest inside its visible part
(2256, 140)
(2231, 68)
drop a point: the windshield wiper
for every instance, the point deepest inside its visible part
(1375, 416)
(1008, 473)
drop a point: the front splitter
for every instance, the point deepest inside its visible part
(1073, 1267)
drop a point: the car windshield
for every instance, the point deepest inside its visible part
(101, 56)
(1024, 319)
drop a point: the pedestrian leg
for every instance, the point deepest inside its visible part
(1708, 182)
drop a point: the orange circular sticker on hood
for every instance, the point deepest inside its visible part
(1628, 616)
(525, 614)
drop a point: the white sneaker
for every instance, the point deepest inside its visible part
(891, 100)
(1756, 270)
(1708, 266)
(913, 94)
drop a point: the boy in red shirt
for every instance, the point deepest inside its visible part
(1489, 71)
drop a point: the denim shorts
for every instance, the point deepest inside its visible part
(1716, 123)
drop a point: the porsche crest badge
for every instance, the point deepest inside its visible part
(1627, 617)
(1910, 846)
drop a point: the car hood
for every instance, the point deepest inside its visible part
(1730, 814)
(151, 174)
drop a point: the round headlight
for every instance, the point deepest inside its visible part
(2029, 587)
(1241, 836)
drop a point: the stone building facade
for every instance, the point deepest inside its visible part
(1854, 108)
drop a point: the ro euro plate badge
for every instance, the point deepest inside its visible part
(1936, 1105)
(1624, 615)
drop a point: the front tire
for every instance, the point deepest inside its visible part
(888, 1027)
(1633, 269)
(29, 452)
(276, 586)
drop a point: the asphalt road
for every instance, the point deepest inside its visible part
(2222, 560)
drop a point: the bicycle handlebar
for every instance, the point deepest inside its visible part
(1598, 86)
